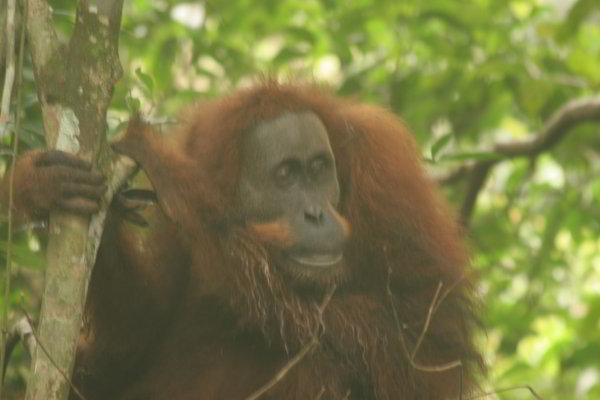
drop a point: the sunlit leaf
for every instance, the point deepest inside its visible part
(440, 144)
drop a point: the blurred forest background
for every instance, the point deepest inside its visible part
(468, 77)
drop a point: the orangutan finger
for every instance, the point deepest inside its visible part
(135, 199)
(67, 174)
(92, 192)
(61, 158)
(79, 206)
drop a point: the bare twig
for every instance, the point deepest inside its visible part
(478, 177)
(411, 355)
(9, 75)
(449, 290)
(558, 125)
(432, 308)
(321, 393)
(504, 390)
(313, 342)
(41, 346)
(15, 148)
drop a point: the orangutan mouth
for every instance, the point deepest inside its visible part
(317, 260)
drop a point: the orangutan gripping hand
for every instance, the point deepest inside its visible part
(53, 180)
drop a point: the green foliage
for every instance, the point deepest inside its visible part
(463, 75)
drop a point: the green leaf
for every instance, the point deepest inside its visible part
(301, 34)
(288, 54)
(148, 82)
(440, 144)
(578, 13)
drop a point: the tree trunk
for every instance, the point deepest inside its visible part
(75, 85)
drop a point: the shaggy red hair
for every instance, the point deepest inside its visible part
(404, 244)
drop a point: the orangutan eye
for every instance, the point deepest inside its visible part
(286, 173)
(319, 165)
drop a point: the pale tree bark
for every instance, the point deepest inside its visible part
(75, 85)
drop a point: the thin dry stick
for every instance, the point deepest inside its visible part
(413, 363)
(15, 148)
(435, 304)
(430, 312)
(301, 354)
(433, 307)
(504, 390)
(60, 371)
(447, 292)
(321, 393)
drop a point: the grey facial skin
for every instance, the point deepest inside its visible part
(288, 173)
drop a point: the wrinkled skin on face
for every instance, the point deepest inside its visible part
(288, 193)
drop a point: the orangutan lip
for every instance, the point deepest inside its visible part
(317, 260)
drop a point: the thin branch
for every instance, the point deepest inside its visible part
(557, 126)
(478, 177)
(447, 292)
(41, 346)
(285, 370)
(504, 390)
(321, 393)
(9, 76)
(454, 175)
(15, 148)
(432, 307)
(313, 342)
(411, 355)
